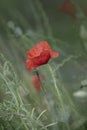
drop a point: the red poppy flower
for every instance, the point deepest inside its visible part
(68, 8)
(39, 55)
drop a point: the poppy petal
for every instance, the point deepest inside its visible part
(39, 55)
(54, 54)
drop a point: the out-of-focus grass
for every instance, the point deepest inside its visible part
(22, 107)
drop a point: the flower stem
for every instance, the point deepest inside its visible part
(55, 85)
(58, 91)
(40, 81)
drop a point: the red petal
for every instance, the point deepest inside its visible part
(44, 45)
(54, 54)
(39, 55)
(43, 58)
(29, 64)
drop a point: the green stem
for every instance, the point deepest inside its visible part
(55, 85)
(58, 91)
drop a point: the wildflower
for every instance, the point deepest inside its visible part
(68, 8)
(39, 55)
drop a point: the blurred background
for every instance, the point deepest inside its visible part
(24, 23)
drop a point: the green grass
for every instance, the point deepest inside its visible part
(23, 108)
